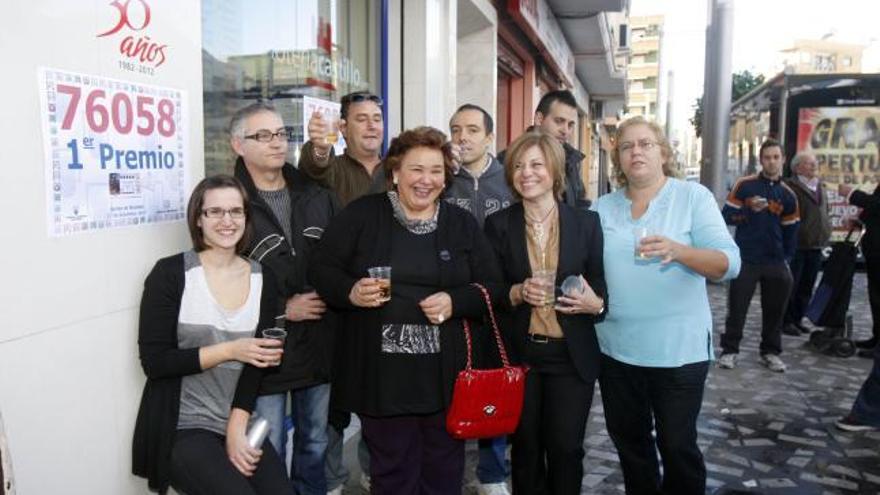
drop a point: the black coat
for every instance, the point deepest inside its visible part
(309, 345)
(580, 253)
(870, 216)
(359, 238)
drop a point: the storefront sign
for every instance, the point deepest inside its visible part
(330, 110)
(539, 23)
(115, 151)
(139, 52)
(845, 141)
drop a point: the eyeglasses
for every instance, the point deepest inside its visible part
(265, 136)
(628, 146)
(216, 212)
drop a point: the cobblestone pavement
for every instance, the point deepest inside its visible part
(760, 432)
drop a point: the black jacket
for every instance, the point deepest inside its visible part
(308, 348)
(580, 252)
(360, 237)
(870, 216)
(165, 364)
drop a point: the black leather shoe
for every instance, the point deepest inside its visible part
(867, 343)
(790, 329)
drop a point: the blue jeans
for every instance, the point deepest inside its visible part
(866, 408)
(309, 408)
(638, 399)
(493, 466)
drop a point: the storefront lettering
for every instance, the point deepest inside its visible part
(311, 62)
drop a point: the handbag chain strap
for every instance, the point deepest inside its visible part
(467, 331)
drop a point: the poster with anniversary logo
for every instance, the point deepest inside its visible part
(116, 152)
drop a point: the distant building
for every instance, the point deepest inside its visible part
(822, 56)
(643, 74)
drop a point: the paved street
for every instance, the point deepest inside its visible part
(761, 432)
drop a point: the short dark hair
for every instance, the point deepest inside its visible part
(488, 124)
(768, 143)
(553, 152)
(236, 123)
(420, 137)
(356, 97)
(563, 96)
(197, 200)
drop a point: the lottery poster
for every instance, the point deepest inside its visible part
(116, 152)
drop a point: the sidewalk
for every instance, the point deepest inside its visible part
(760, 432)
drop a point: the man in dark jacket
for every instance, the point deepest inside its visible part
(557, 114)
(288, 214)
(479, 185)
(870, 217)
(813, 234)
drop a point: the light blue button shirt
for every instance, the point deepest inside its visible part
(658, 315)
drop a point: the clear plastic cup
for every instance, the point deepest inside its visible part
(383, 275)
(547, 279)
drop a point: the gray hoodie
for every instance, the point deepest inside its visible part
(481, 196)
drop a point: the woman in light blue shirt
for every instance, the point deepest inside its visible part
(663, 238)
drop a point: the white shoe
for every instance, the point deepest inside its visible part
(773, 363)
(727, 361)
(492, 489)
(365, 482)
(336, 491)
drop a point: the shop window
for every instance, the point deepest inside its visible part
(282, 50)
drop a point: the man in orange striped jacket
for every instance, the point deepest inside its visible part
(765, 212)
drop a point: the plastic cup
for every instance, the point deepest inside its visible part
(279, 334)
(547, 279)
(639, 233)
(383, 275)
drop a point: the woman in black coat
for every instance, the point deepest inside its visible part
(540, 242)
(397, 358)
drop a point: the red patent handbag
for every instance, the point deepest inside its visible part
(486, 403)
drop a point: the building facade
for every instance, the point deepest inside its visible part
(643, 75)
(117, 109)
(823, 56)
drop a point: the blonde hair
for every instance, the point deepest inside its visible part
(665, 148)
(553, 153)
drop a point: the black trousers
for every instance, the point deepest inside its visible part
(200, 466)
(805, 268)
(413, 455)
(775, 280)
(548, 446)
(639, 399)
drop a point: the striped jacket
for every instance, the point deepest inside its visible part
(767, 236)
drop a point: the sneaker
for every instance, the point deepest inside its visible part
(492, 489)
(773, 363)
(849, 423)
(792, 330)
(727, 361)
(336, 491)
(365, 482)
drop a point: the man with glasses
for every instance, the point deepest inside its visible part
(358, 170)
(288, 215)
(557, 115)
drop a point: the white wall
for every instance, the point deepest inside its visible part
(429, 48)
(477, 55)
(70, 381)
